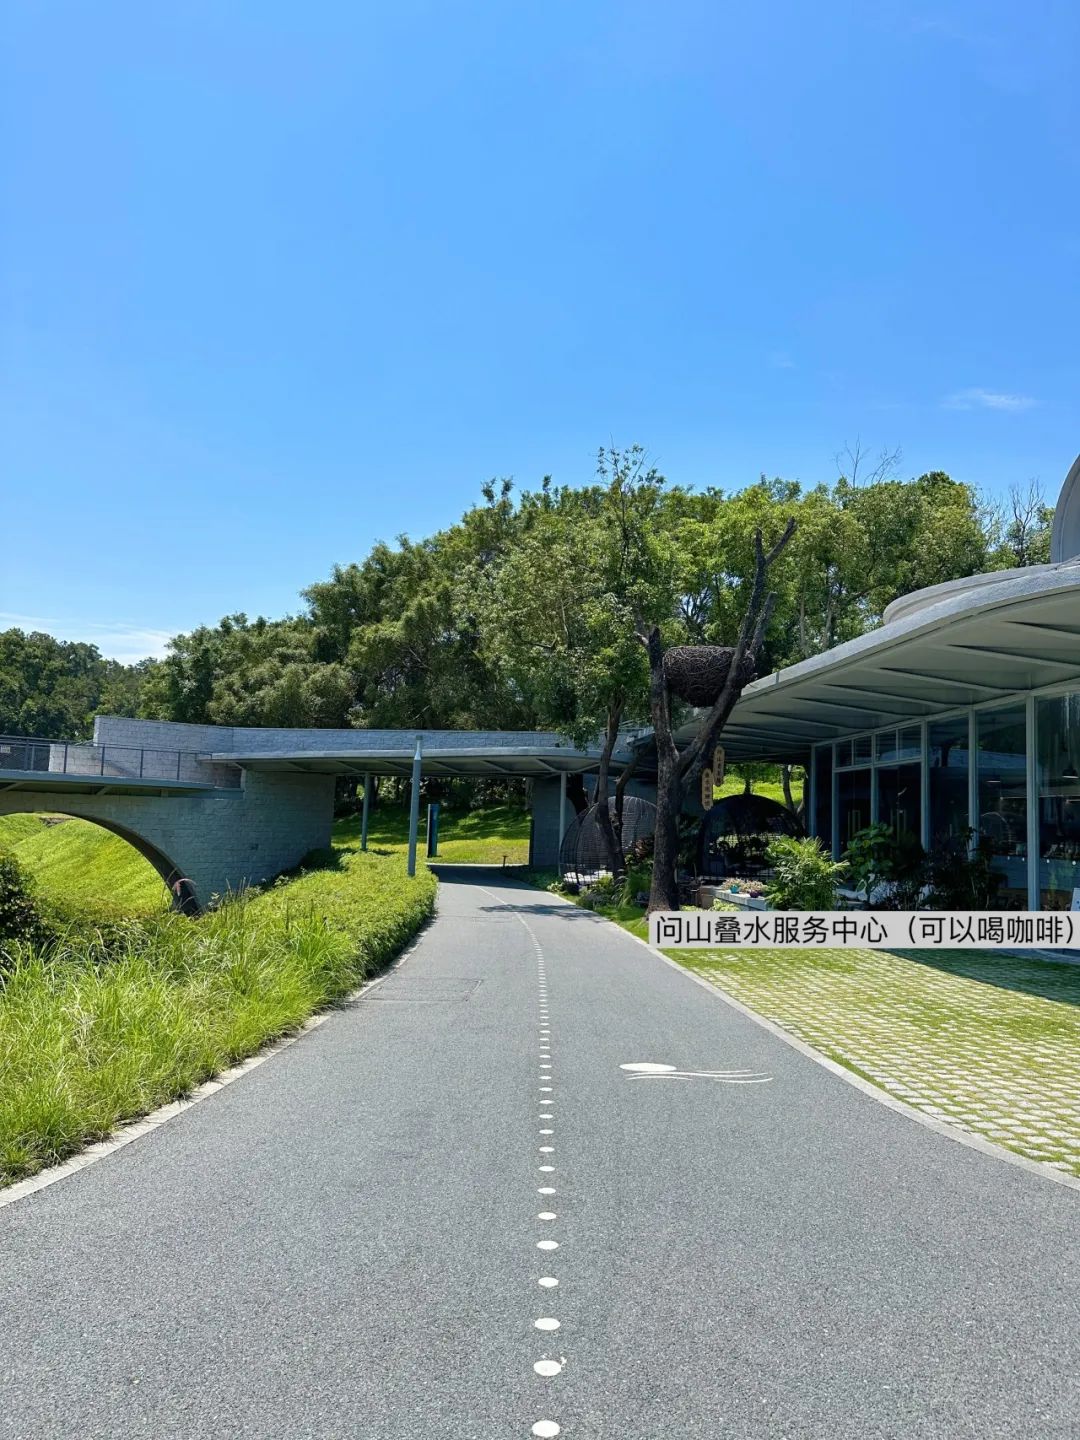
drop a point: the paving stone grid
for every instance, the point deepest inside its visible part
(988, 1043)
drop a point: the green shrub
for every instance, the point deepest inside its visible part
(636, 882)
(961, 878)
(21, 917)
(806, 875)
(878, 857)
(85, 1045)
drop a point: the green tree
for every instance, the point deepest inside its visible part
(557, 614)
(54, 688)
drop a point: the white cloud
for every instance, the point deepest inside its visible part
(115, 641)
(975, 398)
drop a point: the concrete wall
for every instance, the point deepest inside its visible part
(220, 841)
(545, 836)
(255, 740)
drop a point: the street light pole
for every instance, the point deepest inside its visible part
(414, 807)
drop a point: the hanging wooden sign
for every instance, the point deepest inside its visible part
(718, 761)
(706, 789)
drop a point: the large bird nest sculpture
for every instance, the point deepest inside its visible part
(697, 673)
(583, 854)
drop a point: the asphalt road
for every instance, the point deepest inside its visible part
(344, 1243)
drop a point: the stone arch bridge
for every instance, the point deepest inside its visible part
(223, 807)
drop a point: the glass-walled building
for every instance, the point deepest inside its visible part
(957, 719)
(1020, 798)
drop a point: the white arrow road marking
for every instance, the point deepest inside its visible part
(650, 1070)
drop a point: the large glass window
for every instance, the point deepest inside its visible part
(853, 803)
(900, 800)
(823, 794)
(1057, 727)
(1002, 816)
(947, 741)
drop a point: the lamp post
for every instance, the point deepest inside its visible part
(414, 807)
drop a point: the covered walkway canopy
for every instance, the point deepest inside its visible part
(958, 644)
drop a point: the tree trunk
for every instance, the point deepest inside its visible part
(674, 769)
(620, 794)
(664, 893)
(603, 814)
(799, 810)
(575, 793)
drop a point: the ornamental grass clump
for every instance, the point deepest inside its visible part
(96, 1029)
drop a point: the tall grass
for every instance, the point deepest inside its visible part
(107, 1024)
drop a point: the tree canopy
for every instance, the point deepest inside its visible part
(522, 614)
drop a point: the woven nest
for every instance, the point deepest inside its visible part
(735, 833)
(697, 673)
(583, 854)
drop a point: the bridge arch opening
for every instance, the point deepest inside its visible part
(178, 891)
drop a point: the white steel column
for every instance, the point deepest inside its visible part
(366, 810)
(973, 778)
(1032, 757)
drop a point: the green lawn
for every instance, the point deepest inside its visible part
(470, 837)
(985, 1042)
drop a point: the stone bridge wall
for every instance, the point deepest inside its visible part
(222, 840)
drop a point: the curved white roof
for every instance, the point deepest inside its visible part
(983, 637)
(954, 645)
(1065, 536)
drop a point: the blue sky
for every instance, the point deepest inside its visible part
(280, 280)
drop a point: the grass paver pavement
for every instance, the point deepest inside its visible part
(987, 1043)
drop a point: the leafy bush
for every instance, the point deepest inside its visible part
(636, 882)
(961, 878)
(806, 875)
(21, 916)
(877, 858)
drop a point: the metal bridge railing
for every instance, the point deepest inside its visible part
(111, 762)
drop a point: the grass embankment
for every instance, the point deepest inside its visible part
(82, 868)
(85, 871)
(101, 1030)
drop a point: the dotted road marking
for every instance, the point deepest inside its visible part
(545, 1323)
(547, 1367)
(547, 1429)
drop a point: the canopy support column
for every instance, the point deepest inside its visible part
(414, 807)
(562, 806)
(366, 811)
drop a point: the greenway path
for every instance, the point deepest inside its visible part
(449, 1211)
